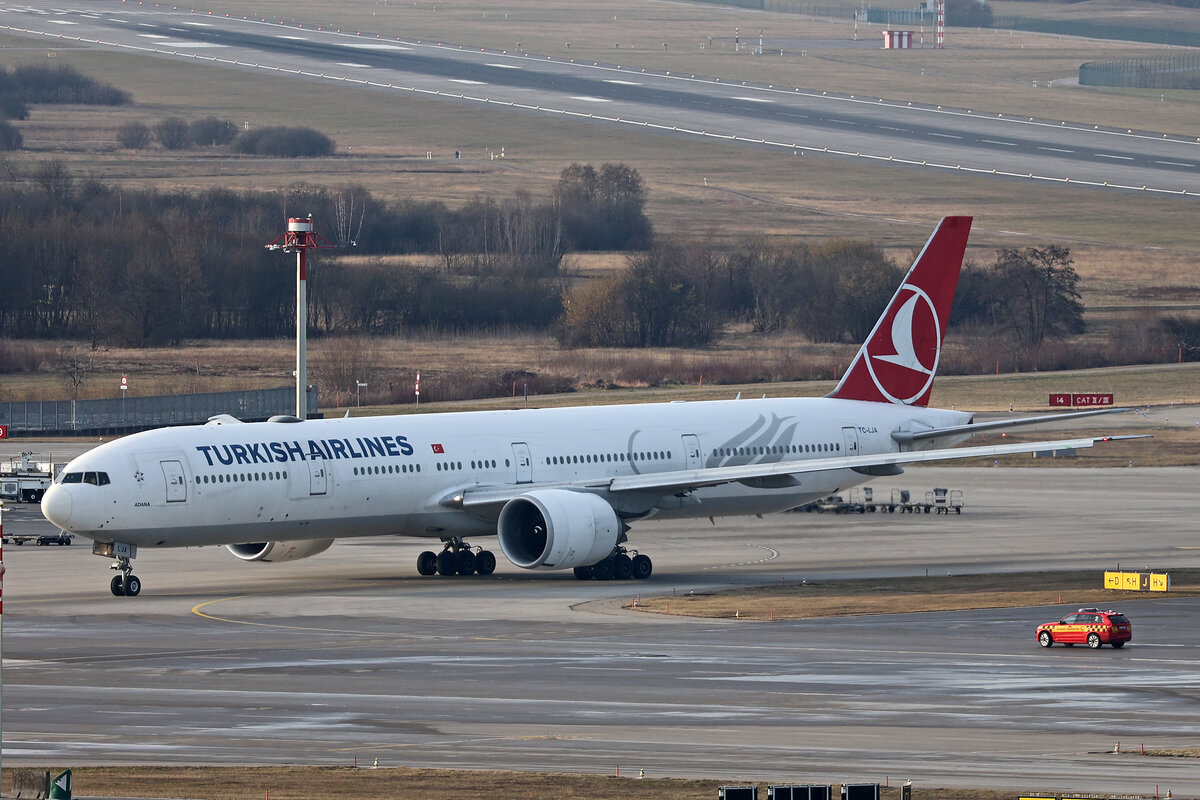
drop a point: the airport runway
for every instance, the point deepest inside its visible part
(351, 655)
(787, 119)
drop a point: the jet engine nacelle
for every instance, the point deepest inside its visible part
(557, 529)
(276, 552)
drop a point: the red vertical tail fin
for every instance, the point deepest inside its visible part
(898, 361)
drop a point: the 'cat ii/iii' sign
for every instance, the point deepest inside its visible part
(1079, 399)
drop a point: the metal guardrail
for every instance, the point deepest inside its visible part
(122, 415)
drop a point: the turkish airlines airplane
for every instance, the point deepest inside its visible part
(559, 487)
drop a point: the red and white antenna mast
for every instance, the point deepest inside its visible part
(299, 239)
(941, 24)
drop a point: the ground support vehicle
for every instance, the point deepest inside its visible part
(1089, 626)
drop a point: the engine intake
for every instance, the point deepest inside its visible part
(557, 529)
(278, 552)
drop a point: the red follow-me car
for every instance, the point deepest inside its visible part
(1089, 626)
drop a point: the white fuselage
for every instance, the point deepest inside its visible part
(369, 476)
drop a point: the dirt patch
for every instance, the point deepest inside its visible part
(808, 600)
(338, 783)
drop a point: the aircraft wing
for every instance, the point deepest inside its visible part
(680, 481)
(905, 437)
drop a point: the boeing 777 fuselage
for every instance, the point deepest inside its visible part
(558, 487)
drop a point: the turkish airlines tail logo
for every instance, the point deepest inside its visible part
(900, 358)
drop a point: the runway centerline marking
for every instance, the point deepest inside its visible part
(1119, 158)
(945, 135)
(1056, 149)
(1174, 164)
(997, 141)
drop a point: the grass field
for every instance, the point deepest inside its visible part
(347, 783)
(908, 595)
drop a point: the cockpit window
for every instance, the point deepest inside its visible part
(94, 478)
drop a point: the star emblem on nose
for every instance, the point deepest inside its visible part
(138, 476)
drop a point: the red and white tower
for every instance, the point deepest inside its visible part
(941, 24)
(299, 239)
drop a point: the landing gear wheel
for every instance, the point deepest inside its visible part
(622, 567)
(1093, 641)
(133, 585)
(583, 573)
(642, 567)
(427, 563)
(603, 570)
(447, 563)
(466, 563)
(1045, 639)
(118, 586)
(485, 562)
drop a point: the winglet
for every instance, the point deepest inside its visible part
(900, 358)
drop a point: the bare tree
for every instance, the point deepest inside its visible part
(74, 366)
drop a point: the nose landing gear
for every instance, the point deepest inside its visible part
(126, 584)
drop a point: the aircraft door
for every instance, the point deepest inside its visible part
(850, 436)
(176, 483)
(691, 451)
(318, 476)
(524, 462)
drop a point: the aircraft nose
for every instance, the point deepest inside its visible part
(56, 505)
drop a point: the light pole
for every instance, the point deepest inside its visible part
(299, 239)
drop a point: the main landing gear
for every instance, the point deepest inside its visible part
(458, 558)
(126, 584)
(618, 566)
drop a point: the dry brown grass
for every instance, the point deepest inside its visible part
(338, 783)
(907, 595)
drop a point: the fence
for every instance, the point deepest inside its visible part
(1175, 71)
(122, 415)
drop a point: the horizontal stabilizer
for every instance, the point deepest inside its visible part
(906, 437)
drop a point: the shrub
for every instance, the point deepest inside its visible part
(173, 133)
(211, 132)
(39, 84)
(10, 137)
(134, 135)
(284, 142)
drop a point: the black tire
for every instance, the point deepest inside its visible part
(622, 567)
(1045, 639)
(117, 586)
(447, 563)
(642, 567)
(427, 563)
(583, 573)
(466, 563)
(485, 562)
(20, 542)
(1093, 641)
(132, 585)
(41, 542)
(1118, 645)
(603, 570)
(37, 495)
